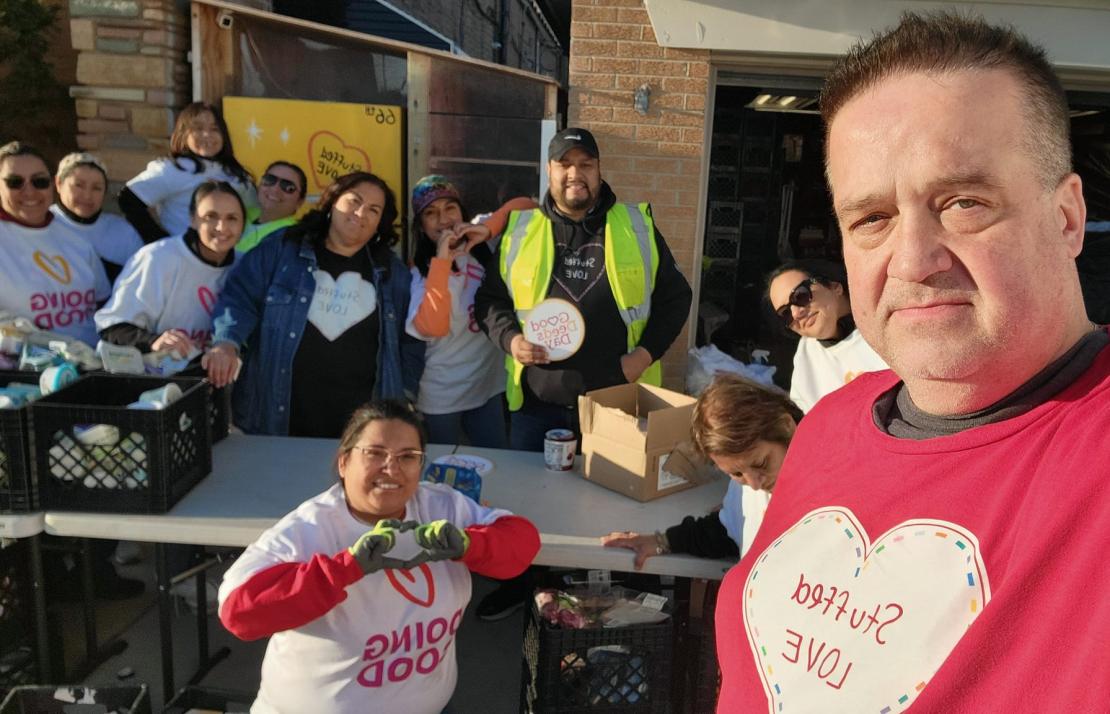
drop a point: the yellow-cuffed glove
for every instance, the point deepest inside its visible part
(371, 548)
(442, 540)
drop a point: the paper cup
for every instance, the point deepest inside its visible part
(559, 447)
(162, 397)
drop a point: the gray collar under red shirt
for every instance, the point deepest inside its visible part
(896, 414)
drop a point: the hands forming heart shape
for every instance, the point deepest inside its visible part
(461, 238)
(438, 540)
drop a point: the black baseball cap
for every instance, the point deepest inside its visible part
(571, 138)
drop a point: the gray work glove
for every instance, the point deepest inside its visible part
(371, 548)
(442, 540)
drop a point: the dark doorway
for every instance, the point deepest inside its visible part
(767, 203)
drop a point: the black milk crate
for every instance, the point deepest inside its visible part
(114, 698)
(209, 698)
(18, 492)
(15, 596)
(704, 672)
(160, 453)
(219, 405)
(622, 670)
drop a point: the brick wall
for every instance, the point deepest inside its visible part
(479, 29)
(131, 75)
(655, 157)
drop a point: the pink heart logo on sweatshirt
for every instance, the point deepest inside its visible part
(837, 622)
(207, 299)
(428, 584)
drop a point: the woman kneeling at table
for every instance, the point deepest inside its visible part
(363, 615)
(744, 429)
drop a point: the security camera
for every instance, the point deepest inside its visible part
(225, 19)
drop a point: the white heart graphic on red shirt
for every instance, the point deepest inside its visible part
(207, 299)
(339, 305)
(839, 624)
(427, 584)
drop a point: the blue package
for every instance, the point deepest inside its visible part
(466, 481)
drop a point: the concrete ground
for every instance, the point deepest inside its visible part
(488, 654)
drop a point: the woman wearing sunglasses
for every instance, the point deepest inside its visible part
(156, 201)
(82, 184)
(48, 273)
(810, 298)
(164, 297)
(281, 192)
(362, 588)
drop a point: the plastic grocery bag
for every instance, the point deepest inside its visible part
(706, 362)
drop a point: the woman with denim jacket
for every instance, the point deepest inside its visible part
(317, 315)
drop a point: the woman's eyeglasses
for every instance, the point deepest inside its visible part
(285, 185)
(800, 296)
(15, 182)
(377, 457)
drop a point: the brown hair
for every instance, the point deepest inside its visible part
(384, 409)
(19, 148)
(948, 42)
(179, 142)
(733, 413)
(316, 222)
(206, 188)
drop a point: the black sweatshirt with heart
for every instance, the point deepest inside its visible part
(579, 277)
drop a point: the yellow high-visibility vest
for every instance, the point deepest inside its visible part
(631, 261)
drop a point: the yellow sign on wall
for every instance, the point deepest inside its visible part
(326, 139)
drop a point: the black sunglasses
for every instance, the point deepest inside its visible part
(285, 185)
(800, 296)
(15, 182)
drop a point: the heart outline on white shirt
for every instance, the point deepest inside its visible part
(403, 588)
(49, 262)
(207, 299)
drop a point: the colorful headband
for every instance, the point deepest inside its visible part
(432, 188)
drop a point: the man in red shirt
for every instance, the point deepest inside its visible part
(936, 540)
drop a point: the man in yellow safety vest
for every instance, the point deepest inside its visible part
(605, 258)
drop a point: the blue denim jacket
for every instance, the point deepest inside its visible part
(264, 305)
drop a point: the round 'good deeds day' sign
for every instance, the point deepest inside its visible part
(556, 325)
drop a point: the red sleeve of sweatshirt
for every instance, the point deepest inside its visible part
(503, 549)
(288, 595)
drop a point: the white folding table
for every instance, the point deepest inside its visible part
(258, 479)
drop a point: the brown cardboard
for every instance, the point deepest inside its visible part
(636, 441)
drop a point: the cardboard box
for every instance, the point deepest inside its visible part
(636, 441)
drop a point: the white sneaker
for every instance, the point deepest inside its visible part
(186, 591)
(127, 552)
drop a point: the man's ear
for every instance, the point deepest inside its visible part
(1071, 213)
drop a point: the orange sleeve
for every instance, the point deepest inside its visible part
(497, 220)
(433, 317)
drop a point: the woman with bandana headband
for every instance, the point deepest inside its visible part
(463, 382)
(81, 184)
